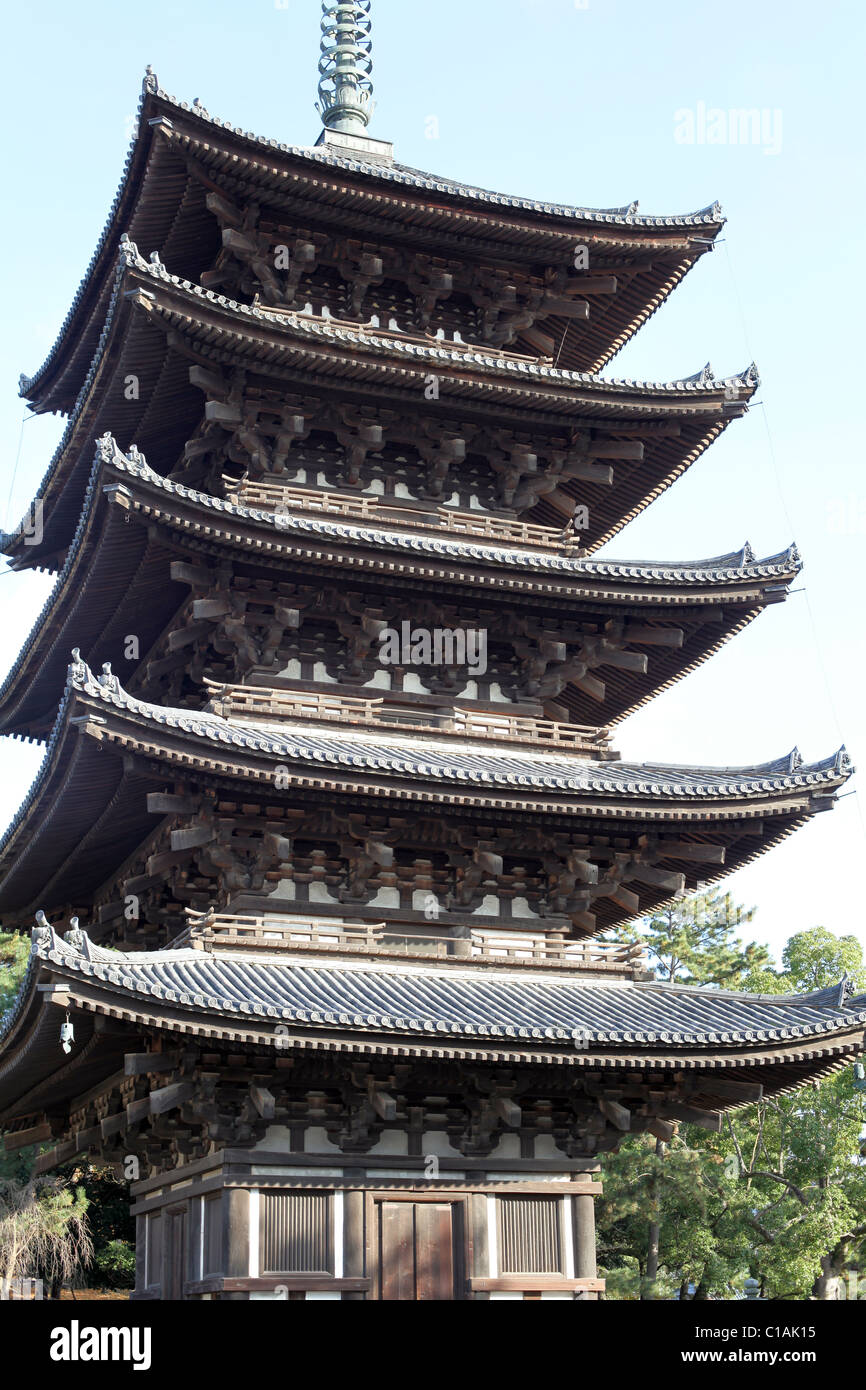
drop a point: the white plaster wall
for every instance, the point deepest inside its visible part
(393, 1141)
(436, 1141)
(277, 1139)
(386, 897)
(320, 893)
(520, 908)
(412, 682)
(380, 681)
(316, 1141)
(508, 1147)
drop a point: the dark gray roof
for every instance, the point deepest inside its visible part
(738, 565)
(469, 1003)
(396, 173)
(476, 766)
(432, 356)
(404, 174)
(438, 354)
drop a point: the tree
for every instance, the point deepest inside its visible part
(780, 1193)
(807, 1147)
(694, 941)
(43, 1230)
(72, 1224)
(14, 956)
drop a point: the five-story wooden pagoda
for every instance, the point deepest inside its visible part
(340, 808)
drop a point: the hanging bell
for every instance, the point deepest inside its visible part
(67, 1035)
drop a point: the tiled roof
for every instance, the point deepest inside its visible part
(399, 174)
(460, 763)
(510, 370)
(512, 366)
(424, 1000)
(739, 565)
(627, 216)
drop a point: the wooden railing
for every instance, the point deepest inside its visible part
(265, 702)
(511, 945)
(273, 932)
(400, 514)
(225, 929)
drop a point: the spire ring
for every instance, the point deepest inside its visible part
(345, 90)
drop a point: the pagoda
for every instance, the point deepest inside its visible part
(330, 820)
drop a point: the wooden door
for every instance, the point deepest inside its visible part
(417, 1251)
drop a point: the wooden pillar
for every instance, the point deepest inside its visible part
(236, 1235)
(476, 1215)
(140, 1254)
(354, 1241)
(584, 1241)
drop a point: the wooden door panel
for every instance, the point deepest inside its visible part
(397, 1250)
(434, 1250)
(416, 1251)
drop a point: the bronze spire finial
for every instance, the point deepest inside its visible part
(345, 90)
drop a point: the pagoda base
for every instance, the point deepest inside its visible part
(277, 1223)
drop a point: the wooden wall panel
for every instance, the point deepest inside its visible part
(530, 1235)
(295, 1233)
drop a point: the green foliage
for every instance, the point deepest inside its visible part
(694, 941)
(780, 1194)
(115, 1265)
(14, 955)
(61, 1204)
(111, 1225)
(43, 1229)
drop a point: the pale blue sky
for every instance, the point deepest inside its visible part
(578, 104)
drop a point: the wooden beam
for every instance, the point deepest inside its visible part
(20, 1140)
(662, 1129)
(653, 636)
(164, 804)
(191, 837)
(184, 636)
(705, 1119)
(147, 1063)
(264, 1101)
(170, 1097)
(113, 1124)
(157, 863)
(747, 1092)
(384, 1104)
(508, 1110)
(54, 1157)
(195, 575)
(618, 449)
(137, 1110)
(86, 1138)
(619, 1115)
